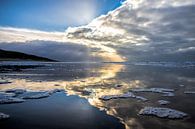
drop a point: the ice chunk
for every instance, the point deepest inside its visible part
(165, 92)
(168, 94)
(39, 95)
(158, 90)
(141, 98)
(3, 95)
(162, 112)
(16, 91)
(181, 85)
(3, 116)
(163, 102)
(9, 100)
(126, 95)
(4, 82)
(36, 95)
(189, 92)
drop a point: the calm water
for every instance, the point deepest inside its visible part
(85, 83)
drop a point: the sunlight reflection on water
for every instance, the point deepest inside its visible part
(93, 80)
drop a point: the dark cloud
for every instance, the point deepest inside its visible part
(53, 50)
(151, 30)
(138, 30)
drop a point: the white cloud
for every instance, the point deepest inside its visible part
(133, 22)
(10, 38)
(9, 35)
(143, 25)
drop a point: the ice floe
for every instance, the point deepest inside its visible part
(3, 116)
(163, 102)
(189, 92)
(3, 95)
(126, 95)
(165, 92)
(35, 95)
(4, 82)
(162, 112)
(165, 64)
(19, 95)
(39, 95)
(9, 100)
(16, 91)
(181, 85)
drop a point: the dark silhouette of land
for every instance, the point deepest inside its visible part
(12, 55)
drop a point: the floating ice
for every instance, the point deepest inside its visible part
(3, 116)
(126, 95)
(163, 102)
(165, 64)
(141, 98)
(36, 95)
(181, 85)
(16, 91)
(162, 112)
(39, 95)
(158, 90)
(4, 95)
(4, 82)
(168, 94)
(189, 92)
(9, 100)
(165, 92)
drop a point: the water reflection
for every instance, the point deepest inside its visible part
(94, 80)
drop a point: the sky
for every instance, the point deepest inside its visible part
(132, 30)
(52, 15)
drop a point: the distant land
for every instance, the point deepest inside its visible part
(13, 55)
